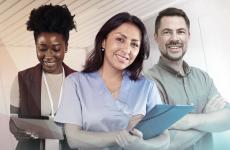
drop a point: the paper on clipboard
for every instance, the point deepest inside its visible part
(45, 129)
(160, 118)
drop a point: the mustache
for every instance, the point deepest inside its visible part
(174, 43)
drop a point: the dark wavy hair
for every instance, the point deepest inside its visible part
(51, 18)
(171, 11)
(96, 57)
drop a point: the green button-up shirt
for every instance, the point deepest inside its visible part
(194, 87)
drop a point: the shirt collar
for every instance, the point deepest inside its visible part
(166, 67)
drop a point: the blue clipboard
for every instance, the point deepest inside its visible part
(160, 118)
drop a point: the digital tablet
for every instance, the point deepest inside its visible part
(160, 118)
(41, 126)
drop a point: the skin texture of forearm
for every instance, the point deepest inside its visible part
(184, 139)
(78, 138)
(208, 122)
(161, 142)
(84, 139)
(212, 122)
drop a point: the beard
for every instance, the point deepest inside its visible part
(170, 57)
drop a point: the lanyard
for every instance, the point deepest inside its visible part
(49, 93)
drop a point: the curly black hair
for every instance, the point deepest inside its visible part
(51, 18)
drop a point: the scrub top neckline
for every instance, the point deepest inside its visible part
(121, 102)
(123, 91)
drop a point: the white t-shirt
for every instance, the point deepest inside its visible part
(54, 82)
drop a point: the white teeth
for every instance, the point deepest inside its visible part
(49, 63)
(173, 47)
(122, 58)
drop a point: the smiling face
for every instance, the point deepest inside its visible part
(122, 46)
(172, 37)
(51, 48)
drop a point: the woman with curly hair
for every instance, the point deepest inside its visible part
(37, 90)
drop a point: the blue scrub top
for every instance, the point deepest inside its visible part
(87, 102)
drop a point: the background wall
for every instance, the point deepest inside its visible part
(7, 73)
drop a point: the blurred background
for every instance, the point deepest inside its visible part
(209, 47)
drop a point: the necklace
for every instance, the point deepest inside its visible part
(115, 92)
(113, 88)
(49, 93)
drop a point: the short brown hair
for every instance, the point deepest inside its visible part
(171, 11)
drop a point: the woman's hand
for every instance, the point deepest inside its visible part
(160, 142)
(134, 120)
(20, 134)
(127, 139)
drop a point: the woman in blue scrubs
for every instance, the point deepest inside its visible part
(101, 105)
